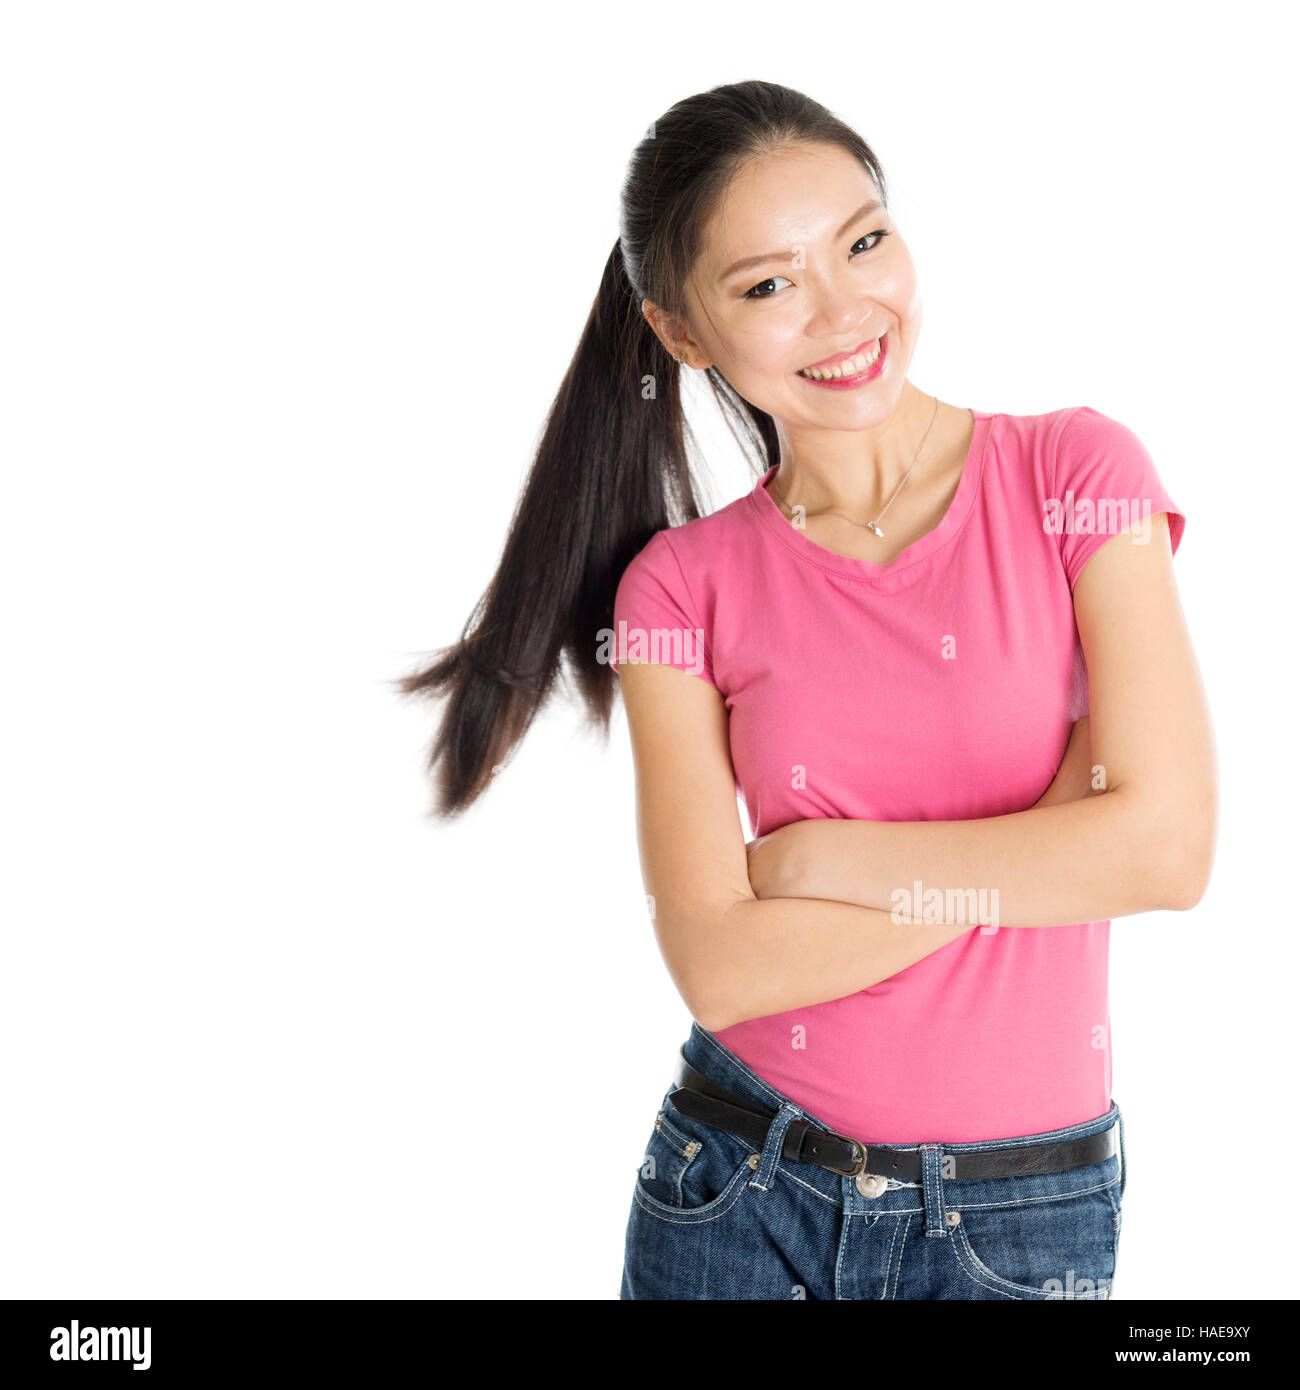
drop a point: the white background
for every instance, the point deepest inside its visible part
(287, 292)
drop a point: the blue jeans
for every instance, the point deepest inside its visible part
(713, 1219)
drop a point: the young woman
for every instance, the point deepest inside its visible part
(897, 1084)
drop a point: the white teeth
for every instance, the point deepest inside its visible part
(852, 367)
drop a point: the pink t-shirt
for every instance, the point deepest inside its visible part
(939, 686)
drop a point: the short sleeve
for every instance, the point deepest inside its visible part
(655, 617)
(1104, 481)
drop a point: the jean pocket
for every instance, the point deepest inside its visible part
(1060, 1247)
(691, 1171)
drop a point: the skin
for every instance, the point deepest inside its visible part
(823, 294)
(735, 922)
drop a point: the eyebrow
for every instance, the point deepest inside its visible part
(750, 261)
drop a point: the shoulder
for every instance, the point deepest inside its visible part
(666, 598)
(689, 553)
(1043, 431)
(1101, 480)
(1082, 427)
(1057, 445)
(1092, 449)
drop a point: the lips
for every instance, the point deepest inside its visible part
(849, 371)
(839, 357)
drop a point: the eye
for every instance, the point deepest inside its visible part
(868, 237)
(754, 293)
(749, 294)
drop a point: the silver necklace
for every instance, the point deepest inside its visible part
(872, 525)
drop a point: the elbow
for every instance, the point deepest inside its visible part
(720, 1009)
(1169, 836)
(711, 980)
(710, 1005)
(1184, 888)
(714, 1021)
(1187, 860)
(711, 997)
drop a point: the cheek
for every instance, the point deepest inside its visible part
(904, 291)
(762, 349)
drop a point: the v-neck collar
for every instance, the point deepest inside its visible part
(921, 549)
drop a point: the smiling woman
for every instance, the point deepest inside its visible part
(920, 684)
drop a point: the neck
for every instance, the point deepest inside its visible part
(856, 471)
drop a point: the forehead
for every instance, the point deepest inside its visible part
(791, 196)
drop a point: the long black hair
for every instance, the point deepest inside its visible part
(612, 467)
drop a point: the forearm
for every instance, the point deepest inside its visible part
(766, 957)
(1083, 861)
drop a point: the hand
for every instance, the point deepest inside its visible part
(771, 864)
(1073, 780)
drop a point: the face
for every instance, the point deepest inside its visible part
(799, 264)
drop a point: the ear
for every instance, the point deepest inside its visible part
(673, 334)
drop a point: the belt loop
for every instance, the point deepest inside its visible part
(1123, 1165)
(772, 1146)
(932, 1189)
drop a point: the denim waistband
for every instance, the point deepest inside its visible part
(708, 1056)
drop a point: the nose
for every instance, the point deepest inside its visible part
(841, 319)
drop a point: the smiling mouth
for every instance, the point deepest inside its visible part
(851, 366)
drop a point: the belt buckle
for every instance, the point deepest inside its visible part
(861, 1165)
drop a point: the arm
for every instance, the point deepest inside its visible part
(1144, 842)
(1075, 777)
(777, 869)
(731, 956)
(772, 865)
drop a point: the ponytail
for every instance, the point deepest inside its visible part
(610, 471)
(612, 466)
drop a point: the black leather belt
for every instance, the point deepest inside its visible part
(701, 1099)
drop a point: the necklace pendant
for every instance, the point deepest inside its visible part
(872, 526)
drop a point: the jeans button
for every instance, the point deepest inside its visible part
(870, 1184)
